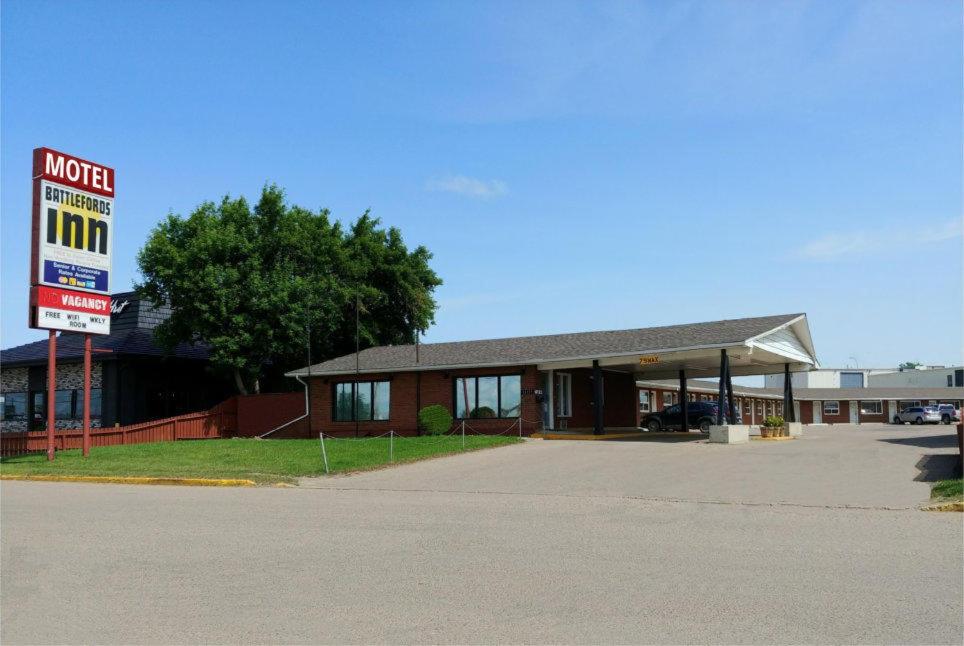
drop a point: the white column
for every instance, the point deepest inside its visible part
(551, 398)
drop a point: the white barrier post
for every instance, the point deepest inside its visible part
(324, 454)
(463, 434)
(391, 446)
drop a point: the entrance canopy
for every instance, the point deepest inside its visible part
(753, 346)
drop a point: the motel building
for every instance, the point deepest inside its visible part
(812, 406)
(592, 382)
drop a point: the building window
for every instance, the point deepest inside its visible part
(907, 404)
(644, 406)
(950, 381)
(488, 397)
(747, 406)
(831, 408)
(871, 408)
(851, 380)
(64, 404)
(361, 401)
(667, 399)
(563, 394)
(13, 407)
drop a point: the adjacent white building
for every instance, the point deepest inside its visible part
(941, 377)
(828, 378)
(923, 377)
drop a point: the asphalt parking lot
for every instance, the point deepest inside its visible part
(816, 540)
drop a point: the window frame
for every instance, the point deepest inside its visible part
(456, 391)
(354, 400)
(647, 405)
(836, 406)
(879, 406)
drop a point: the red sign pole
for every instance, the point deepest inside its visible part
(51, 390)
(86, 395)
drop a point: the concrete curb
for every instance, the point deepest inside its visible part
(953, 505)
(191, 482)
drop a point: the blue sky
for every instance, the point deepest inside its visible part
(572, 166)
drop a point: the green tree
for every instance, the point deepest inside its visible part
(909, 365)
(255, 284)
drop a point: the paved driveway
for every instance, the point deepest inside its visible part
(873, 465)
(541, 543)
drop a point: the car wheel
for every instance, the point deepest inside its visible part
(704, 426)
(653, 426)
(946, 419)
(897, 420)
(919, 420)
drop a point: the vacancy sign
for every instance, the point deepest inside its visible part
(73, 217)
(61, 309)
(72, 237)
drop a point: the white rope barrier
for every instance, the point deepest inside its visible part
(458, 431)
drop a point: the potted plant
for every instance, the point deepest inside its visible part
(772, 426)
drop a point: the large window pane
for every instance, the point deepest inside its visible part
(511, 391)
(343, 402)
(95, 401)
(63, 407)
(363, 401)
(488, 403)
(381, 400)
(14, 406)
(463, 406)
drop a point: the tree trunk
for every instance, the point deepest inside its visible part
(239, 382)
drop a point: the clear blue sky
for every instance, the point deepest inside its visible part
(572, 166)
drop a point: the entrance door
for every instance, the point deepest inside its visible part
(817, 412)
(854, 412)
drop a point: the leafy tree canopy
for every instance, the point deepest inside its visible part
(909, 365)
(250, 283)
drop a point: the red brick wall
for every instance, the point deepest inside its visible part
(869, 418)
(620, 400)
(843, 417)
(436, 388)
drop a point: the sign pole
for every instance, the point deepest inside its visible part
(86, 395)
(51, 391)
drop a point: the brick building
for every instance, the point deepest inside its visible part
(545, 382)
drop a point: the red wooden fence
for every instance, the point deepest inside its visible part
(220, 421)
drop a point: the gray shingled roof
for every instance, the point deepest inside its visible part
(554, 347)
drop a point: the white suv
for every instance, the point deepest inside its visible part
(918, 415)
(949, 413)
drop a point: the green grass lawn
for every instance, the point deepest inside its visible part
(263, 461)
(953, 489)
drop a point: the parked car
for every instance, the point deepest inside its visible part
(949, 413)
(701, 416)
(918, 415)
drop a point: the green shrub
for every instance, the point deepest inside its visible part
(773, 421)
(434, 420)
(483, 412)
